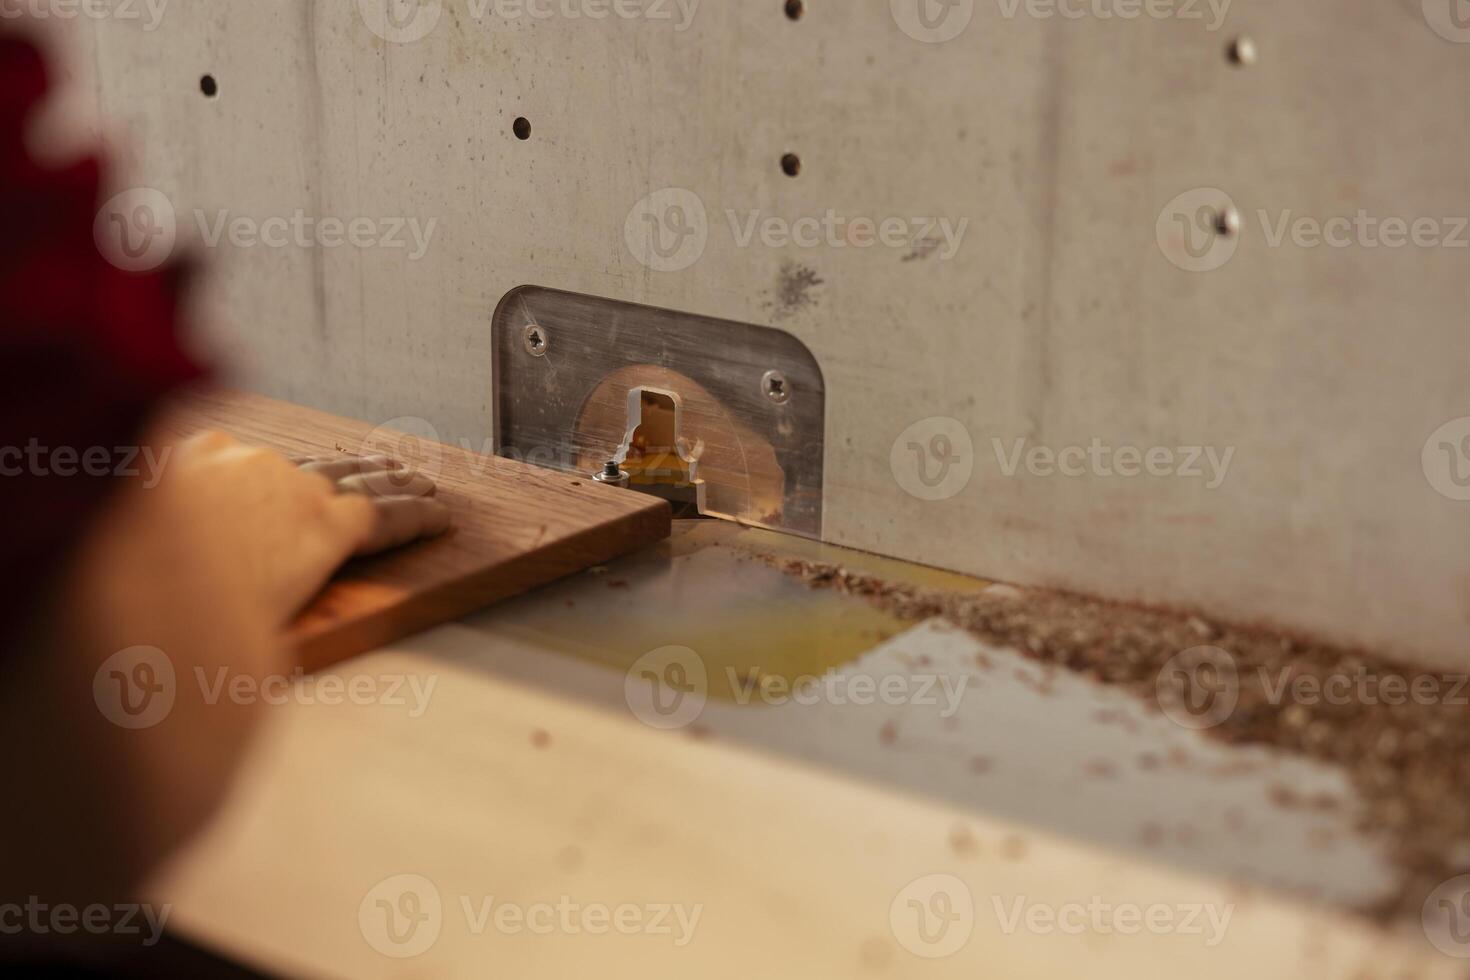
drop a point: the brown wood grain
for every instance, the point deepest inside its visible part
(516, 526)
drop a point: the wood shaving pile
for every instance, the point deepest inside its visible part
(1409, 758)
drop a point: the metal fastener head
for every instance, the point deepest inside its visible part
(536, 340)
(1242, 52)
(776, 388)
(1227, 221)
(611, 473)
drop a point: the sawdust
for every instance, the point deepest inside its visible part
(1408, 757)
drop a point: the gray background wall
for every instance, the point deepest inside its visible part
(1060, 319)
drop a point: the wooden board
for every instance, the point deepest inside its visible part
(516, 526)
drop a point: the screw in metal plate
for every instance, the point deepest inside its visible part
(775, 387)
(612, 473)
(537, 340)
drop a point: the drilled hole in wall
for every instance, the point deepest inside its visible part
(209, 86)
(522, 128)
(791, 165)
(795, 8)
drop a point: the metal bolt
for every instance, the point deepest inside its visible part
(537, 340)
(1242, 52)
(1227, 222)
(612, 474)
(776, 388)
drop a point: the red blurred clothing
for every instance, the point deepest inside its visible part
(86, 350)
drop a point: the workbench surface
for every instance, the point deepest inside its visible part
(983, 813)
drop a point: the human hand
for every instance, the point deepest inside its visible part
(404, 500)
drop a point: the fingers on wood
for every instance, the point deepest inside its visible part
(388, 483)
(402, 519)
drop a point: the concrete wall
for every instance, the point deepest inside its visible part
(1071, 314)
